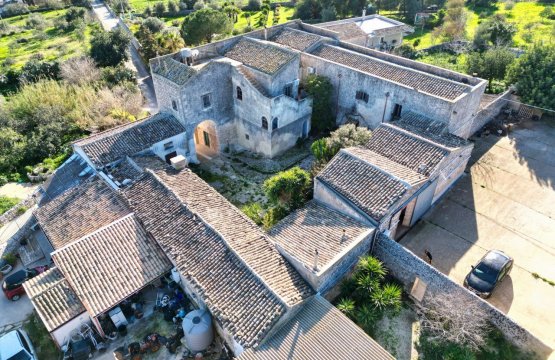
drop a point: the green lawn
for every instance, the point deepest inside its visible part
(526, 15)
(55, 45)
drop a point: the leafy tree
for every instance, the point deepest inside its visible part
(273, 216)
(202, 25)
(75, 13)
(113, 76)
(407, 51)
(289, 188)
(345, 136)
(12, 149)
(173, 8)
(159, 9)
(231, 11)
(321, 89)
(329, 13)
(150, 47)
(35, 70)
(254, 211)
(308, 9)
(170, 42)
(36, 21)
(490, 65)
(80, 71)
(254, 5)
(153, 24)
(534, 76)
(496, 31)
(120, 5)
(454, 23)
(199, 5)
(110, 48)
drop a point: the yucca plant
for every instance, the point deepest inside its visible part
(388, 297)
(347, 307)
(366, 317)
(371, 266)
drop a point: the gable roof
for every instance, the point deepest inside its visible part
(80, 211)
(318, 331)
(412, 78)
(241, 234)
(345, 29)
(172, 69)
(262, 56)
(71, 173)
(315, 226)
(432, 130)
(53, 298)
(111, 264)
(410, 151)
(234, 294)
(126, 140)
(370, 189)
(296, 39)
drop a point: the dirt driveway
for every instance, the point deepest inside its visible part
(505, 202)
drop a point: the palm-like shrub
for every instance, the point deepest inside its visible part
(347, 307)
(372, 267)
(367, 316)
(388, 297)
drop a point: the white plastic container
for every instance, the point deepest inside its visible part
(197, 326)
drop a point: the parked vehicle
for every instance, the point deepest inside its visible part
(16, 345)
(488, 273)
(13, 285)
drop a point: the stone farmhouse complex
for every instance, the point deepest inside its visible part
(116, 216)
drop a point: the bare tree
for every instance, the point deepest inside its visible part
(80, 71)
(453, 318)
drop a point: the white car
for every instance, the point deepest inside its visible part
(16, 345)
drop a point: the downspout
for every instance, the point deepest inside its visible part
(385, 106)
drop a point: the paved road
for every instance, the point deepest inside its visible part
(144, 80)
(505, 202)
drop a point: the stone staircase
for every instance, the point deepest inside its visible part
(252, 80)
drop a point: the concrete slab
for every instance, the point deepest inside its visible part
(505, 202)
(14, 311)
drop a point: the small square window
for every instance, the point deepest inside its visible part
(288, 90)
(362, 96)
(206, 101)
(174, 105)
(168, 145)
(247, 136)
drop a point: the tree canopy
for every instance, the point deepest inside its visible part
(320, 88)
(202, 25)
(496, 31)
(534, 76)
(109, 48)
(289, 188)
(490, 65)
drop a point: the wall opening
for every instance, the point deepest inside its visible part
(206, 140)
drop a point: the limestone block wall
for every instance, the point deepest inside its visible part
(166, 91)
(378, 106)
(405, 266)
(451, 169)
(285, 137)
(489, 112)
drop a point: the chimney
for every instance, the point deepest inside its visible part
(265, 33)
(315, 268)
(344, 236)
(363, 13)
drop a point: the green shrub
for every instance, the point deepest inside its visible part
(435, 350)
(21, 210)
(320, 88)
(273, 216)
(10, 258)
(6, 203)
(347, 307)
(254, 211)
(289, 188)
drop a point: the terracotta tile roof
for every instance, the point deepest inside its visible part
(433, 130)
(53, 298)
(241, 234)
(80, 211)
(149, 161)
(387, 165)
(420, 81)
(172, 69)
(111, 264)
(235, 296)
(365, 186)
(73, 172)
(108, 146)
(265, 57)
(346, 30)
(406, 149)
(317, 227)
(125, 170)
(296, 39)
(318, 331)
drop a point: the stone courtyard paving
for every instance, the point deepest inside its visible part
(505, 202)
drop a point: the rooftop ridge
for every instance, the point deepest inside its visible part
(228, 245)
(418, 137)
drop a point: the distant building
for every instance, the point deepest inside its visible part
(372, 31)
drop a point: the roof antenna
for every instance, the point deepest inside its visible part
(315, 260)
(344, 236)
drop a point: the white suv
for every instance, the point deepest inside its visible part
(16, 345)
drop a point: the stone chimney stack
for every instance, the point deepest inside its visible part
(363, 13)
(265, 33)
(315, 268)
(344, 236)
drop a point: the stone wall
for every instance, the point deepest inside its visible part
(405, 266)
(490, 111)
(16, 210)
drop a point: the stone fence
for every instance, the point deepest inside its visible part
(405, 266)
(18, 209)
(490, 111)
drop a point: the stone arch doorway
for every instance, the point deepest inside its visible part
(207, 144)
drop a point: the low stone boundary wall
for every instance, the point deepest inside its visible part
(490, 111)
(405, 266)
(15, 211)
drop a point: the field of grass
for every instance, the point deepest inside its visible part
(54, 45)
(525, 15)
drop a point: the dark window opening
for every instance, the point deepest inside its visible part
(275, 123)
(264, 123)
(168, 145)
(288, 90)
(206, 138)
(239, 93)
(397, 111)
(362, 96)
(206, 101)
(247, 136)
(170, 156)
(174, 105)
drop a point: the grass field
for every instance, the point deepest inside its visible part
(54, 45)
(525, 15)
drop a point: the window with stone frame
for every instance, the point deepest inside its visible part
(264, 123)
(275, 123)
(362, 96)
(288, 90)
(206, 101)
(239, 93)
(174, 105)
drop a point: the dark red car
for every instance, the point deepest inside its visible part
(13, 285)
